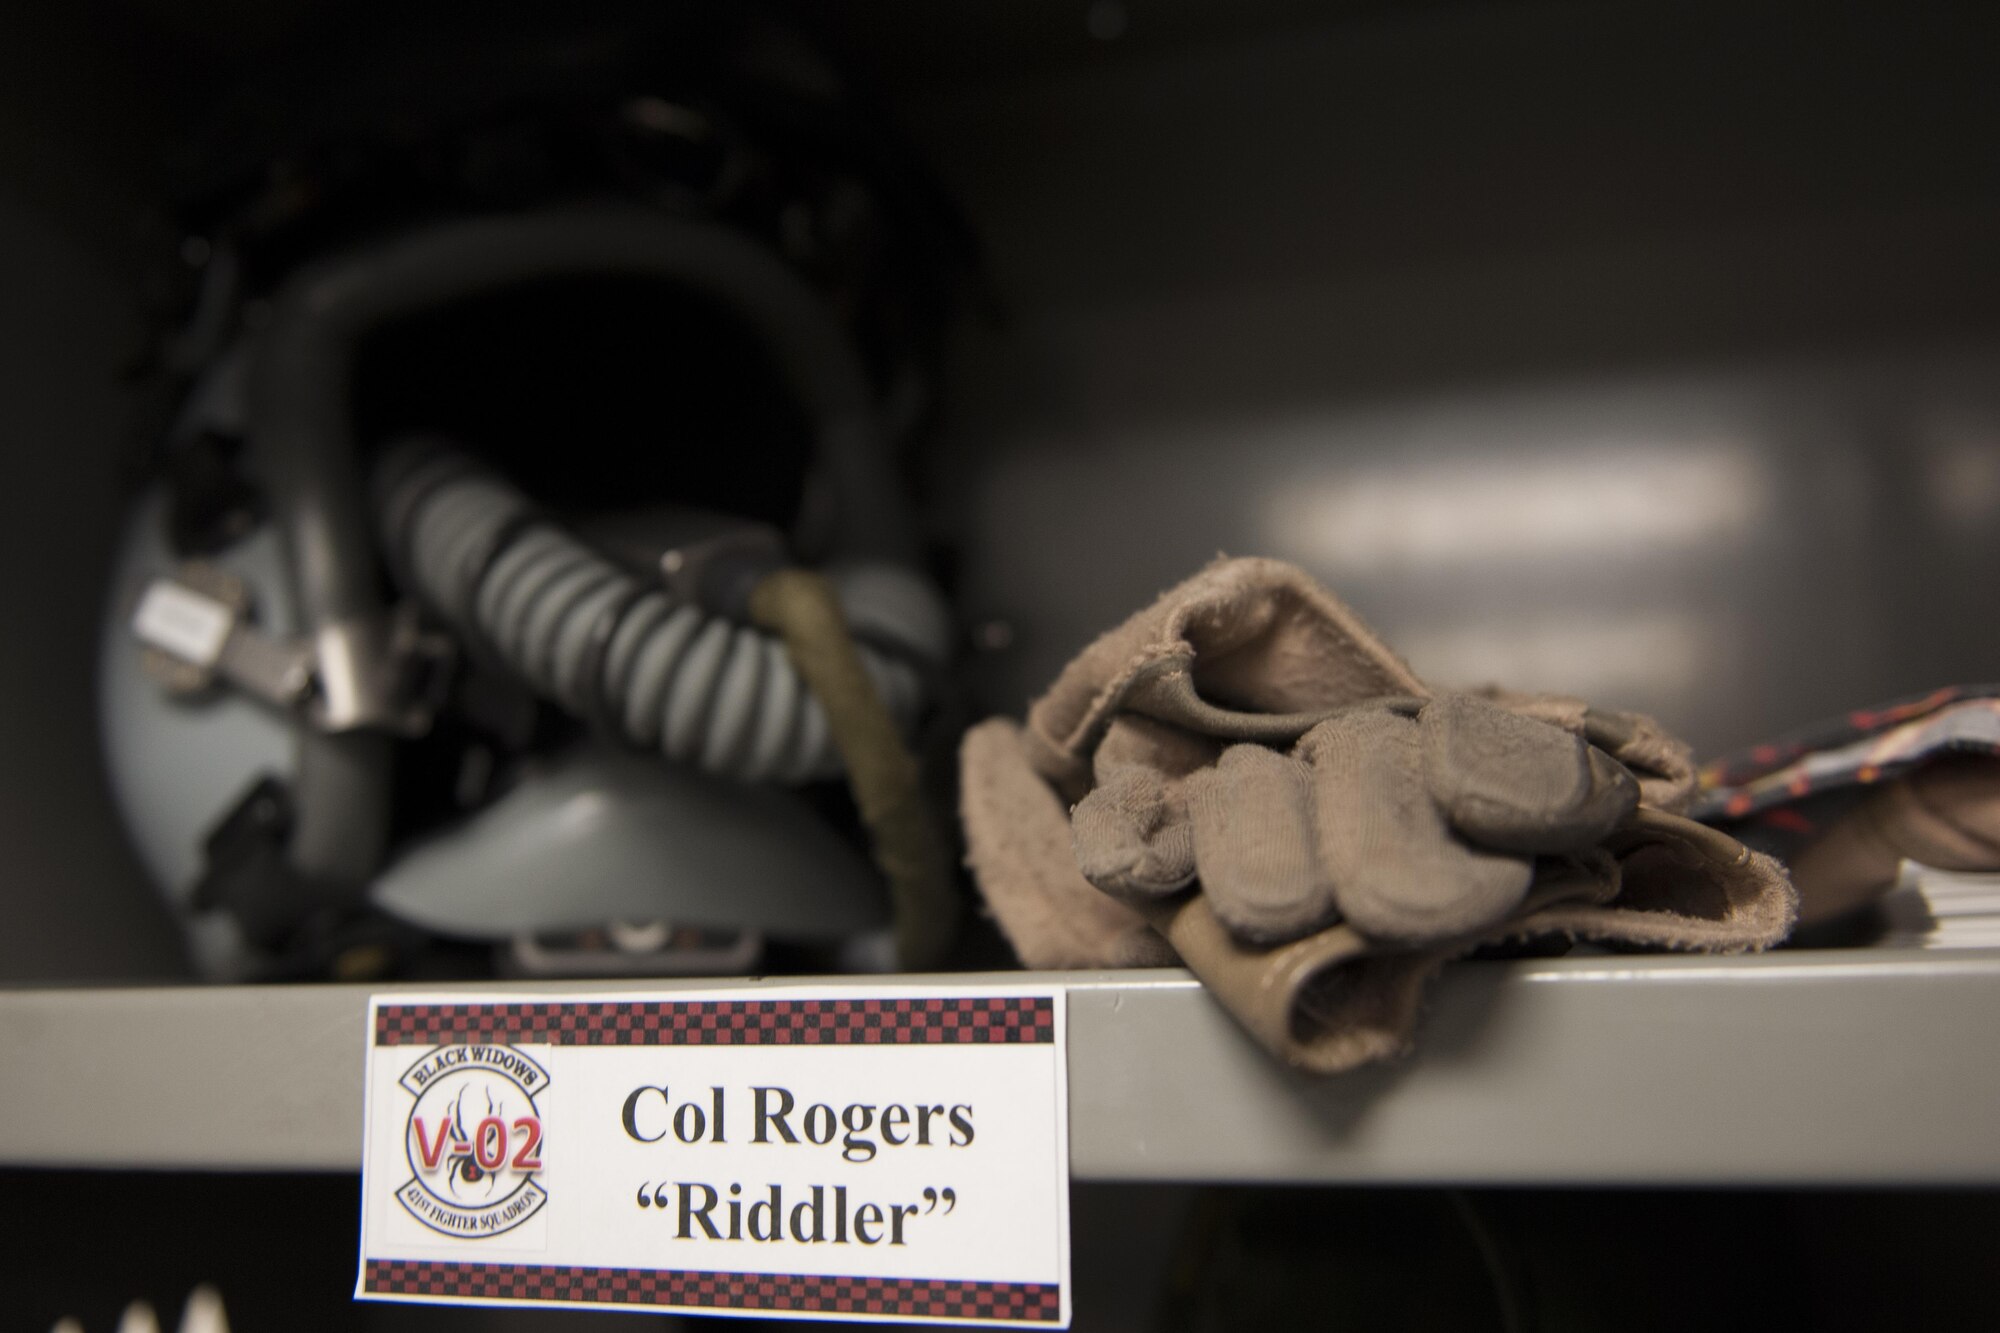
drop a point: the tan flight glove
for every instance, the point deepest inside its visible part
(1945, 815)
(1348, 830)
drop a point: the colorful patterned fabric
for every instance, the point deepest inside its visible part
(1778, 796)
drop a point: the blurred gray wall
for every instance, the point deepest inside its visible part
(1644, 351)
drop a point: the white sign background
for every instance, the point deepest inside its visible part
(1005, 1220)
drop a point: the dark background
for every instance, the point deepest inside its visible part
(1148, 1259)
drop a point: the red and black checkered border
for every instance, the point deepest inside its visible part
(939, 1020)
(901, 1298)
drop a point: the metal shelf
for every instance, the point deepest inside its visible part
(1858, 1067)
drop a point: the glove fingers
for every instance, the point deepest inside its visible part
(1397, 871)
(1515, 784)
(1662, 763)
(1132, 837)
(1254, 847)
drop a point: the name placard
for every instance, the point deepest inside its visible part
(887, 1153)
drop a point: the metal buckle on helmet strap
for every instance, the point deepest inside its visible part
(197, 631)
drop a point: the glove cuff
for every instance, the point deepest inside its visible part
(1258, 635)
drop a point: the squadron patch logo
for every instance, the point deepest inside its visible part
(474, 1140)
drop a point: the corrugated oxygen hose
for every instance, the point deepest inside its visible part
(611, 646)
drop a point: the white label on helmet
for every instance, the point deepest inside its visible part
(178, 620)
(862, 1152)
